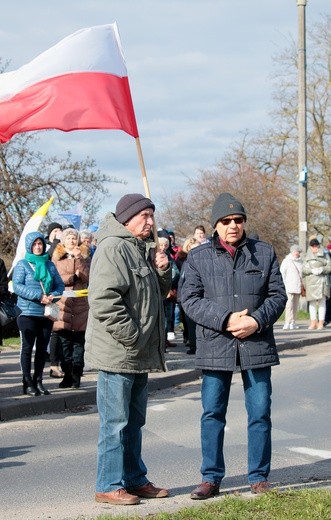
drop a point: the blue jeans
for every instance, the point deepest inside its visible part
(122, 404)
(215, 397)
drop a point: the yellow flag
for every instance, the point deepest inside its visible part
(32, 224)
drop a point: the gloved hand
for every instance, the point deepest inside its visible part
(317, 270)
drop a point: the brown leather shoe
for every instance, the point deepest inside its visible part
(149, 491)
(120, 497)
(205, 490)
(260, 487)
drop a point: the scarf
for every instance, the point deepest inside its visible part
(231, 249)
(41, 273)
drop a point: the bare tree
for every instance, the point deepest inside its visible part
(28, 179)
(261, 170)
(318, 119)
(261, 191)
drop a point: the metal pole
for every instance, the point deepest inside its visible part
(302, 125)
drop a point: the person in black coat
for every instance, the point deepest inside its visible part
(53, 238)
(234, 292)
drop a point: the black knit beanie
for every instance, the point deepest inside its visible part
(225, 205)
(52, 226)
(163, 233)
(130, 205)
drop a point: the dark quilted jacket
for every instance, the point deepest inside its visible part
(215, 285)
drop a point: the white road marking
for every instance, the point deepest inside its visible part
(322, 454)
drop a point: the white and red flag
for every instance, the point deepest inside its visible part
(80, 83)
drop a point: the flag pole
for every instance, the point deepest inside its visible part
(146, 186)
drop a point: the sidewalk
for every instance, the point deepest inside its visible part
(14, 405)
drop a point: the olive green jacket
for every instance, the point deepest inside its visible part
(125, 328)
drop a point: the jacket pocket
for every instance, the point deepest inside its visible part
(208, 335)
(254, 281)
(141, 271)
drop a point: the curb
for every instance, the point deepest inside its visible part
(17, 408)
(300, 343)
(48, 404)
(84, 397)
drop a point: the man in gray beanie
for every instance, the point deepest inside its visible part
(225, 205)
(233, 291)
(131, 204)
(125, 340)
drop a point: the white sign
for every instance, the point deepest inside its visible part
(303, 226)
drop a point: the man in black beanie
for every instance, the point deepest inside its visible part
(233, 291)
(125, 341)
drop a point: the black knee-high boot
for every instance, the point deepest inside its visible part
(77, 372)
(67, 380)
(29, 387)
(38, 383)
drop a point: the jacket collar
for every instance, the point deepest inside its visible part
(243, 245)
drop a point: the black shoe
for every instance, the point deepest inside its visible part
(76, 374)
(67, 378)
(29, 388)
(66, 381)
(170, 344)
(42, 389)
(190, 352)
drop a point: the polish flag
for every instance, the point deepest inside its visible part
(80, 83)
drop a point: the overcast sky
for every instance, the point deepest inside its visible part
(199, 70)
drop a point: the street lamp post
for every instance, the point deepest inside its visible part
(302, 125)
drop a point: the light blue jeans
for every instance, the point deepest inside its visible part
(122, 404)
(215, 396)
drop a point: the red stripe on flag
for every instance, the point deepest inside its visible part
(77, 101)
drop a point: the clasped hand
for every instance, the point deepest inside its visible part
(241, 325)
(46, 299)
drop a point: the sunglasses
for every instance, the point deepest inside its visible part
(236, 220)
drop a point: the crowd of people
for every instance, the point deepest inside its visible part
(59, 260)
(51, 324)
(117, 300)
(310, 277)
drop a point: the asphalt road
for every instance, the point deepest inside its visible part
(48, 463)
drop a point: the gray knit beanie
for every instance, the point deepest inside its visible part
(225, 205)
(130, 205)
